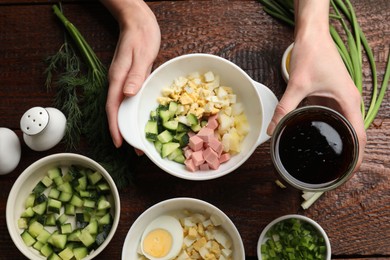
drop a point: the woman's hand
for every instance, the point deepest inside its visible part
(318, 74)
(136, 50)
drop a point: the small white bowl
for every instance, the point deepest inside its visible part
(259, 105)
(286, 60)
(28, 180)
(263, 237)
(129, 251)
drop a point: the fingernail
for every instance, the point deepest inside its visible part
(271, 128)
(129, 89)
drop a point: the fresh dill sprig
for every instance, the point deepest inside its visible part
(81, 94)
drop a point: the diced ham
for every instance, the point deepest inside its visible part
(215, 145)
(212, 158)
(195, 143)
(205, 134)
(224, 157)
(190, 165)
(187, 153)
(212, 122)
(197, 158)
(204, 167)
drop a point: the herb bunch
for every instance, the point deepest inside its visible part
(82, 85)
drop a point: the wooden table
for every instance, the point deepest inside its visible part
(356, 216)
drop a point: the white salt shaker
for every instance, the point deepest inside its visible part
(43, 128)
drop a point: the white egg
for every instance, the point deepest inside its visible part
(10, 150)
(162, 238)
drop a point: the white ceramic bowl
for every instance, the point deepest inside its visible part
(286, 59)
(263, 237)
(28, 180)
(129, 251)
(259, 105)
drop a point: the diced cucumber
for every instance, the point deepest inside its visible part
(89, 203)
(66, 228)
(175, 153)
(54, 206)
(76, 201)
(50, 220)
(151, 130)
(58, 240)
(165, 137)
(47, 181)
(86, 238)
(53, 173)
(39, 188)
(192, 119)
(82, 184)
(70, 209)
(22, 223)
(46, 250)
(170, 125)
(196, 128)
(54, 256)
(30, 201)
(35, 228)
(38, 245)
(80, 252)
(65, 187)
(168, 148)
(153, 115)
(103, 203)
(66, 254)
(28, 239)
(182, 138)
(158, 146)
(43, 236)
(179, 159)
(172, 108)
(105, 220)
(65, 196)
(182, 128)
(54, 193)
(40, 208)
(74, 236)
(165, 115)
(103, 187)
(94, 177)
(28, 213)
(58, 194)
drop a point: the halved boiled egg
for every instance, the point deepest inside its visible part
(162, 238)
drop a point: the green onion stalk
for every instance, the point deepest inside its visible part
(351, 52)
(81, 94)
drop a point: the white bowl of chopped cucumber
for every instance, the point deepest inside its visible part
(195, 229)
(293, 237)
(63, 205)
(198, 116)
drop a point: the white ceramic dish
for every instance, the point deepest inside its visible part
(259, 105)
(286, 54)
(263, 237)
(129, 251)
(27, 181)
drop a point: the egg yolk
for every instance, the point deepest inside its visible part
(157, 243)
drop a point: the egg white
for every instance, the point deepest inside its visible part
(172, 226)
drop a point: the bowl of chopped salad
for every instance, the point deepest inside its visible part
(63, 206)
(198, 116)
(183, 228)
(293, 237)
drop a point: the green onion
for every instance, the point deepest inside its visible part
(293, 239)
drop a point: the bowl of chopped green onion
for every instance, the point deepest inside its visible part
(63, 206)
(293, 237)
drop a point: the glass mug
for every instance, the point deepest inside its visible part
(314, 148)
